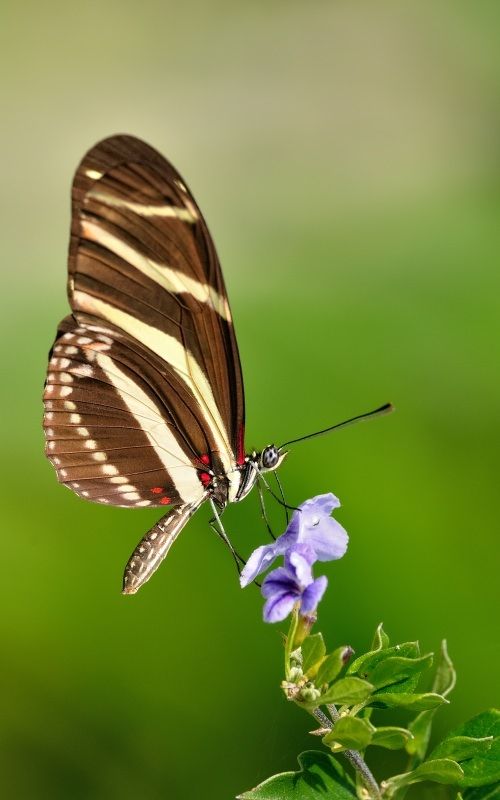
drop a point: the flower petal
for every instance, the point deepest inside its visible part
(313, 594)
(280, 580)
(278, 606)
(325, 536)
(290, 536)
(259, 561)
(299, 560)
(321, 504)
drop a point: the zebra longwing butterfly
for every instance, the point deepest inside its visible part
(144, 403)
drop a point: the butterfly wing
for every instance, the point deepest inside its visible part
(144, 386)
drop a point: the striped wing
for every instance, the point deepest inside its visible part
(144, 389)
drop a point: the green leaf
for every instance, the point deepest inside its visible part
(380, 639)
(396, 669)
(417, 702)
(421, 726)
(440, 770)
(366, 662)
(350, 733)
(331, 666)
(445, 677)
(390, 737)
(313, 652)
(483, 768)
(460, 748)
(347, 691)
(490, 792)
(320, 776)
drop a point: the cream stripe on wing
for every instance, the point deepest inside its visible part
(184, 214)
(165, 445)
(171, 279)
(184, 364)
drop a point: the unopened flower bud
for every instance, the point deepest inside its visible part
(310, 693)
(295, 674)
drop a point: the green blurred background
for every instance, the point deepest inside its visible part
(346, 155)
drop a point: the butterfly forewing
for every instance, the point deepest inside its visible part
(144, 386)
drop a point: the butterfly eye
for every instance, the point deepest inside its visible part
(270, 457)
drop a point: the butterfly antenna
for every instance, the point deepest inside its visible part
(378, 412)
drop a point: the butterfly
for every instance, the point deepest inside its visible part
(144, 400)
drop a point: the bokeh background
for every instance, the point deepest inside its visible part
(346, 155)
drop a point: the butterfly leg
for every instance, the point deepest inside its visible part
(280, 487)
(278, 500)
(217, 526)
(263, 510)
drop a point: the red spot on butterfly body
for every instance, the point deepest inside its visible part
(157, 489)
(205, 478)
(165, 501)
(205, 458)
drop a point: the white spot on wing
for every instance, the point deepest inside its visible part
(83, 370)
(109, 469)
(132, 496)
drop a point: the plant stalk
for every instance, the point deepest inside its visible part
(355, 758)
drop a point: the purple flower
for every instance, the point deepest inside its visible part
(311, 526)
(293, 583)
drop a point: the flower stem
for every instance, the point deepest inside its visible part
(353, 756)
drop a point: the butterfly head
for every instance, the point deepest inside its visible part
(271, 458)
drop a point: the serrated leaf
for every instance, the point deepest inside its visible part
(482, 769)
(351, 733)
(440, 770)
(320, 776)
(380, 639)
(460, 748)
(390, 737)
(331, 666)
(313, 652)
(397, 668)
(421, 726)
(417, 702)
(347, 691)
